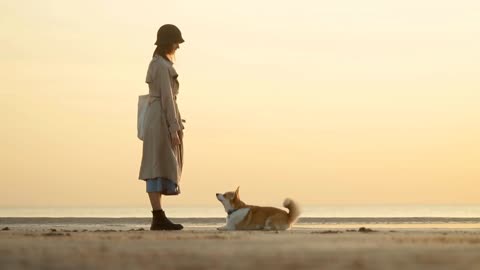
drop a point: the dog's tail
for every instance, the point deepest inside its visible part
(293, 210)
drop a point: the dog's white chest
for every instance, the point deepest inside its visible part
(236, 217)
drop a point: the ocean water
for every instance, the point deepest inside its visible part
(363, 211)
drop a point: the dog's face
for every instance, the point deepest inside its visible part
(230, 200)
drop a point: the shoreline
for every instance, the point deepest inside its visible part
(80, 223)
(301, 220)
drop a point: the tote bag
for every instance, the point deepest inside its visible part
(141, 115)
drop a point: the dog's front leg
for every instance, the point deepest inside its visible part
(227, 227)
(223, 228)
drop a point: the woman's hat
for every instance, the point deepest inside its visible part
(168, 34)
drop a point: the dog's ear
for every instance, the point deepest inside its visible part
(237, 192)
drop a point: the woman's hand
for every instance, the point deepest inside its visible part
(175, 139)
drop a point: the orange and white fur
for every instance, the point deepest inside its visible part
(249, 217)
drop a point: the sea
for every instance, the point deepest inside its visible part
(313, 217)
(343, 211)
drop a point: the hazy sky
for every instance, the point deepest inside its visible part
(327, 102)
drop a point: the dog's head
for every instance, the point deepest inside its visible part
(230, 200)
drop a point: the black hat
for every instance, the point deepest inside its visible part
(167, 34)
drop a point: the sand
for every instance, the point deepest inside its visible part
(70, 245)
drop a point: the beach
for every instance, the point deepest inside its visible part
(106, 243)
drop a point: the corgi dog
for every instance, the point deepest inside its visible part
(249, 217)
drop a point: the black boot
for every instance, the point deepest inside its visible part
(161, 222)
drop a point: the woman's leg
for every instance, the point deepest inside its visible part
(154, 190)
(155, 200)
(160, 220)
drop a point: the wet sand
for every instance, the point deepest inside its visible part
(33, 244)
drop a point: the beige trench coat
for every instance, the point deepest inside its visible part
(159, 157)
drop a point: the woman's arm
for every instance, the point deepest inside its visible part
(168, 102)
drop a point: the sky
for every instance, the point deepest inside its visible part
(327, 102)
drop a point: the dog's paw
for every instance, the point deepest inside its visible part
(224, 228)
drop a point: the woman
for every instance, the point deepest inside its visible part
(162, 156)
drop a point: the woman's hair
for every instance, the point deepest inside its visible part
(163, 50)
